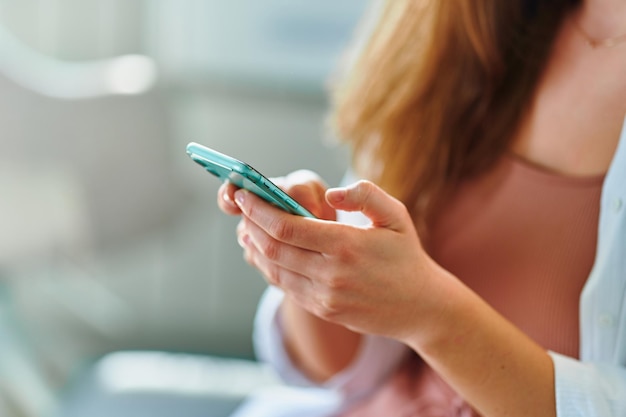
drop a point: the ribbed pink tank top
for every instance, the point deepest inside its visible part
(524, 239)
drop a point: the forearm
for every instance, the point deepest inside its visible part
(319, 348)
(492, 364)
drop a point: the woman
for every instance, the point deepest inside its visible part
(492, 130)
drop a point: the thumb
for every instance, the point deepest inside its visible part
(364, 196)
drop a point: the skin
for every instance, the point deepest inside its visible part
(320, 348)
(341, 281)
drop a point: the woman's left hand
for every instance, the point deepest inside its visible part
(371, 279)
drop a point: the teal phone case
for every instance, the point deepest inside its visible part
(244, 176)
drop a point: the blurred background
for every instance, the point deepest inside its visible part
(116, 269)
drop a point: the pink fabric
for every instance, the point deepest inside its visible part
(413, 391)
(522, 238)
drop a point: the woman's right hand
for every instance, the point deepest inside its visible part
(306, 187)
(319, 348)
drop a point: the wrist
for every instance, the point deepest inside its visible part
(443, 310)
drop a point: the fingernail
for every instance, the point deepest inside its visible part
(240, 197)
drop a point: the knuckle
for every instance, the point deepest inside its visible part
(336, 283)
(271, 249)
(329, 301)
(346, 254)
(281, 229)
(365, 189)
(328, 307)
(364, 186)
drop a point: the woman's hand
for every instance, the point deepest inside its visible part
(306, 187)
(319, 348)
(369, 279)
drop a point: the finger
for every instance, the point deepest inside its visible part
(296, 285)
(305, 262)
(308, 189)
(311, 197)
(364, 196)
(306, 233)
(226, 199)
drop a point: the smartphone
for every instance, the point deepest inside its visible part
(244, 176)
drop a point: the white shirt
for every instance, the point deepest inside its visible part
(594, 386)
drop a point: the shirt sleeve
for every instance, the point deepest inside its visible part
(377, 357)
(586, 389)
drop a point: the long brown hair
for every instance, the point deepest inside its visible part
(440, 89)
